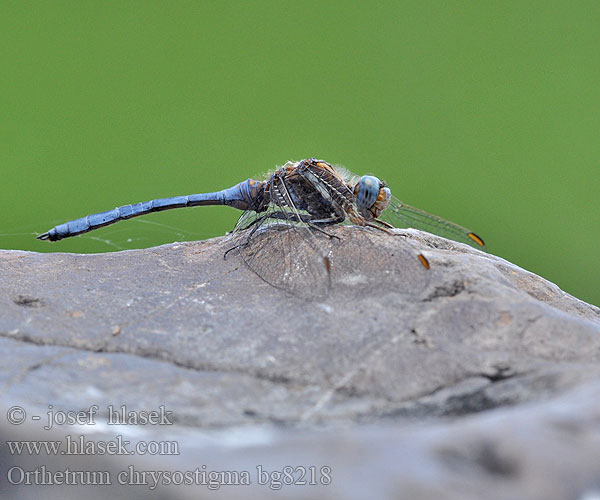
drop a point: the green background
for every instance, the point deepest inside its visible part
(485, 113)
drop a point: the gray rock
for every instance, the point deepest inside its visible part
(382, 380)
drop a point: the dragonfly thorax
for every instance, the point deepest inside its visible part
(372, 196)
(313, 188)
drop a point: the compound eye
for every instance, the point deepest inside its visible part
(368, 191)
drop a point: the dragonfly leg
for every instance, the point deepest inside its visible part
(289, 216)
(313, 224)
(255, 224)
(321, 230)
(381, 228)
(384, 223)
(329, 221)
(317, 223)
(233, 248)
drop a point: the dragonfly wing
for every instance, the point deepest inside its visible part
(404, 216)
(284, 251)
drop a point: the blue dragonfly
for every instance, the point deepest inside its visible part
(283, 234)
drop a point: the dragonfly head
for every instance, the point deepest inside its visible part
(372, 196)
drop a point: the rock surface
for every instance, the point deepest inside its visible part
(385, 380)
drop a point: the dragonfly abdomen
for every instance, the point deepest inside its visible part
(242, 196)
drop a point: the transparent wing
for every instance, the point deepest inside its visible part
(283, 250)
(371, 262)
(404, 216)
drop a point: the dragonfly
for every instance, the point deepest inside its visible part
(284, 234)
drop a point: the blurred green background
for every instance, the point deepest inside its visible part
(485, 113)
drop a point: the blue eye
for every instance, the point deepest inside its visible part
(368, 190)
